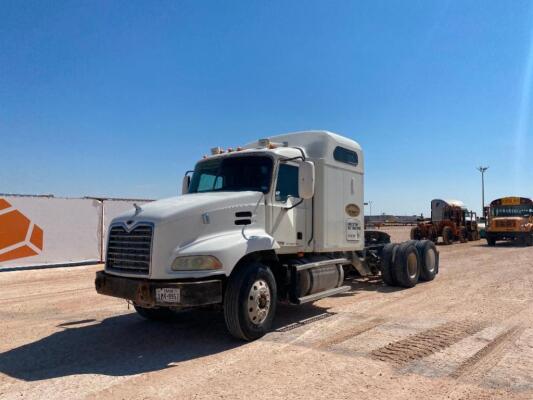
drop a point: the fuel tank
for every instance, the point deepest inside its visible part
(319, 279)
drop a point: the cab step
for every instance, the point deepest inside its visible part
(320, 295)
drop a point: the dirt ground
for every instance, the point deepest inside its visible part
(466, 335)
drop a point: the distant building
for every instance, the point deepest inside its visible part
(385, 219)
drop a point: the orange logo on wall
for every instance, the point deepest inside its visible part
(19, 237)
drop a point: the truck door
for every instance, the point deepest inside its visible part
(288, 210)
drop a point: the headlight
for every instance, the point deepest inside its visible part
(195, 263)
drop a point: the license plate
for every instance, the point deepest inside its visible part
(353, 230)
(167, 295)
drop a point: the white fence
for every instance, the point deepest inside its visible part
(39, 230)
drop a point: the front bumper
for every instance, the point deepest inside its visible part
(142, 292)
(501, 235)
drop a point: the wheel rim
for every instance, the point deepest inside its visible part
(430, 259)
(412, 265)
(259, 300)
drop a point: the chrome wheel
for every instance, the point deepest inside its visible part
(430, 260)
(259, 300)
(412, 265)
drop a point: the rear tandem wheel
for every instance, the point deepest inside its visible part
(406, 269)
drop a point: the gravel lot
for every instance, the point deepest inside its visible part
(466, 335)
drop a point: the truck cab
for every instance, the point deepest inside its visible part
(278, 219)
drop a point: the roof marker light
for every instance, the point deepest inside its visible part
(264, 142)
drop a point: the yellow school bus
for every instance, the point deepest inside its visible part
(510, 218)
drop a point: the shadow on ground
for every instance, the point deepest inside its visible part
(368, 284)
(505, 244)
(127, 344)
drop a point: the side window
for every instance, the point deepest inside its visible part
(218, 183)
(346, 156)
(206, 182)
(287, 184)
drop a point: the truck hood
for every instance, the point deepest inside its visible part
(173, 208)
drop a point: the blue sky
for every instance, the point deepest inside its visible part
(119, 98)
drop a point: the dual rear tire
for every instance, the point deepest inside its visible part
(406, 263)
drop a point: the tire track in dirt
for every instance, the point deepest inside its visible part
(347, 334)
(425, 343)
(487, 357)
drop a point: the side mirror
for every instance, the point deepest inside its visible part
(185, 184)
(306, 180)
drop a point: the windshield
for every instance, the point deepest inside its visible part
(512, 211)
(234, 174)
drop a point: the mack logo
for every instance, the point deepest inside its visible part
(353, 210)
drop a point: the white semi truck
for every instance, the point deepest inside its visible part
(280, 219)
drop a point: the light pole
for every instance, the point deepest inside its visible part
(369, 203)
(482, 170)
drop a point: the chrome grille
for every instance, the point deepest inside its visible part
(129, 252)
(506, 223)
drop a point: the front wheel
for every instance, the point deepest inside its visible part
(527, 239)
(491, 241)
(447, 235)
(463, 235)
(250, 301)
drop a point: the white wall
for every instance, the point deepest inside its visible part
(48, 230)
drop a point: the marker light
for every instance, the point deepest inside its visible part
(264, 142)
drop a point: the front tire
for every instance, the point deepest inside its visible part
(491, 241)
(527, 239)
(447, 235)
(463, 235)
(433, 236)
(250, 301)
